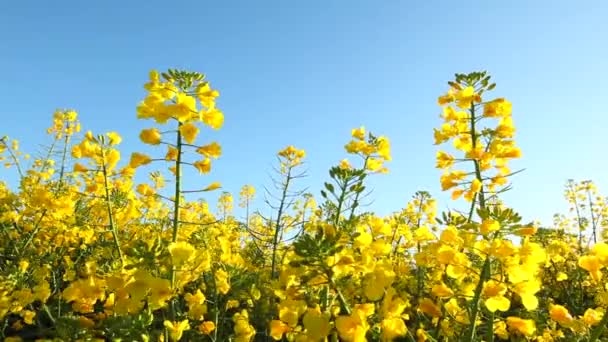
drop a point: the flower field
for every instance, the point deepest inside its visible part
(89, 253)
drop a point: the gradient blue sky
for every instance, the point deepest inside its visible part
(306, 72)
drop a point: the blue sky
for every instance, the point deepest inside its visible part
(306, 72)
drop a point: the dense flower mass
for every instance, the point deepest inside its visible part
(92, 251)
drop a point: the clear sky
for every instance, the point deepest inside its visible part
(306, 72)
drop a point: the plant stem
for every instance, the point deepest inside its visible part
(277, 229)
(475, 304)
(109, 207)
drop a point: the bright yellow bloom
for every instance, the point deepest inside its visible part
(213, 150)
(525, 327)
(429, 307)
(497, 108)
(358, 133)
(115, 139)
(181, 252)
(184, 108)
(316, 324)
(189, 131)
(592, 317)
(465, 97)
(206, 327)
(277, 329)
(150, 136)
(176, 329)
(212, 117)
(345, 164)
(488, 226)
(112, 158)
(145, 190)
(561, 315)
(494, 292)
(139, 159)
(203, 166)
(591, 264)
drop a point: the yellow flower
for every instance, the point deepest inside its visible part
(525, 327)
(23, 266)
(206, 95)
(145, 190)
(591, 264)
(488, 226)
(316, 324)
(429, 307)
(374, 164)
(206, 327)
(392, 328)
(358, 133)
(203, 166)
(442, 291)
(354, 327)
(213, 150)
(171, 153)
(494, 292)
(213, 186)
(139, 159)
(447, 98)
(112, 158)
(150, 136)
(176, 329)
(561, 315)
(444, 160)
(592, 317)
(189, 131)
(221, 280)
(497, 108)
(345, 164)
(465, 97)
(115, 139)
(181, 252)
(212, 117)
(184, 108)
(277, 329)
(80, 168)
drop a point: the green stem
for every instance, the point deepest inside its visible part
(356, 200)
(490, 332)
(109, 208)
(177, 200)
(63, 160)
(486, 269)
(593, 223)
(340, 202)
(343, 302)
(178, 172)
(277, 229)
(475, 304)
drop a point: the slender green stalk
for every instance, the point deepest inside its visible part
(277, 226)
(343, 302)
(356, 200)
(177, 200)
(486, 269)
(340, 203)
(593, 221)
(470, 337)
(109, 207)
(64, 154)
